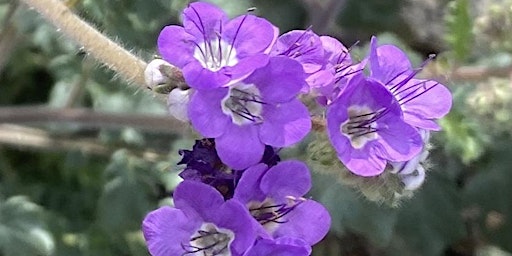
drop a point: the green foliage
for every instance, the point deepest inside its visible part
(459, 29)
(22, 229)
(66, 203)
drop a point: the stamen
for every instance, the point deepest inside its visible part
(296, 45)
(244, 105)
(209, 240)
(234, 37)
(361, 125)
(410, 76)
(415, 96)
(267, 212)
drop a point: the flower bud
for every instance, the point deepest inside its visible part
(162, 77)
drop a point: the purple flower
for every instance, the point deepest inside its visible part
(212, 50)
(366, 128)
(329, 82)
(303, 46)
(275, 199)
(201, 224)
(204, 165)
(260, 110)
(422, 101)
(282, 246)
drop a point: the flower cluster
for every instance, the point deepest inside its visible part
(245, 80)
(220, 211)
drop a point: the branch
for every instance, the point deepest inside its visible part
(469, 73)
(88, 118)
(30, 138)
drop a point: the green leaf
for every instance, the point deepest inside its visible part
(126, 195)
(459, 29)
(489, 192)
(430, 221)
(21, 229)
(350, 211)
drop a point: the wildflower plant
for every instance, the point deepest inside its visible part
(238, 197)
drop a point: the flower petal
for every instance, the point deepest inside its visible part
(387, 62)
(431, 100)
(166, 229)
(205, 112)
(249, 35)
(199, 77)
(363, 162)
(175, 45)
(285, 124)
(240, 147)
(288, 178)
(279, 81)
(279, 247)
(248, 187)
(309, 221)
(186, 198)
(235, 216)
(203, 20)
(399, 140)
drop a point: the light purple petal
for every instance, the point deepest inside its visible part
(203, 20)
(309, 221)
(279, 81)
(199, 77)
(235, 216)
(249, 35)
(166, 229)
(287, 178)
(196, 198)
(285, 124)
(240, 147)
(335, 51)
(266, 247)
(245, 67)
(303, 46)
(248, 188)
(430, 101)
(399, 140)
(387, 62)
(176, 46)
(363, 162)
(205, 112)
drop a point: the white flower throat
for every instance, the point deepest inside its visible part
(215, 54)
(243, 104)
(361, 126)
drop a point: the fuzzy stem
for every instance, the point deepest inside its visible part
(125, 64)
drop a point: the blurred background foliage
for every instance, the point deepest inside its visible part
(82, 186)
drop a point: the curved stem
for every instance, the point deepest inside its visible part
(108, 52)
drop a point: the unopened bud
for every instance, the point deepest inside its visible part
(162, 77)
(177, 103)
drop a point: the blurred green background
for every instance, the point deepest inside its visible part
(83, 157)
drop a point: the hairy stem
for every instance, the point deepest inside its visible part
(124, 63)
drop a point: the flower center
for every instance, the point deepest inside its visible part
(215, 54)
(270, 214)
(210, 240)
(243, 103)
(361, 126)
